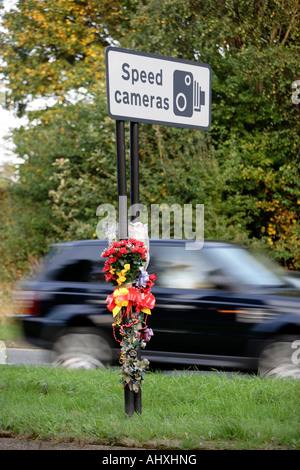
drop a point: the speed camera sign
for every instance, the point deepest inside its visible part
(156, 89)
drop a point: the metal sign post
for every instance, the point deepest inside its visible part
(157, 90)
(135, 199)
(133, 400)
(121, 174)
(134, 164)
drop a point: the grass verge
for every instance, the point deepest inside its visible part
(179, 411)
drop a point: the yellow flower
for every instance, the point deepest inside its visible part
(121, 280)
(127, 267)
(119, 303)
(121, 277)
(122, 291)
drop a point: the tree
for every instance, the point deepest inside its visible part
(247, 164)
(51, 48)
(252, 48)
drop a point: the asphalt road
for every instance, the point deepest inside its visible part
(24, 354)
(28, 356)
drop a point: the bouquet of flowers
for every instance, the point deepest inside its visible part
(130, 303)
(124, 260)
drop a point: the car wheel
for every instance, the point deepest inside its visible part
(82, 350)
(281, 358)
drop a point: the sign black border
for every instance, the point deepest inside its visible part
(160, 57)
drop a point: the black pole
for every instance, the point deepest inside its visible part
(133, 400)
(129, 395)
(135, 199)
(134, 165)
(129, 401)
(122, 186)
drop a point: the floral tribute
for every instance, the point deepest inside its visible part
(130, 303)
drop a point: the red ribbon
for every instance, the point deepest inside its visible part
(141, 300)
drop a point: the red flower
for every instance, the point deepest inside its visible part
(123, 251)
(111, 260)
(106, 267)
(150, 283)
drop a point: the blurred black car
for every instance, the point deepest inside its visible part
(216, 307)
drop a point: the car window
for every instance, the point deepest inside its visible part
(176, 267)
(82, 263)
(240, 265)
(40, 270)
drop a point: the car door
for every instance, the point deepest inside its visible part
(77, 277)
(192, 316)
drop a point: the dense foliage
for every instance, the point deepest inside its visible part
(245, 169)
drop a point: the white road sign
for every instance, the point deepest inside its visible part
(158, 90)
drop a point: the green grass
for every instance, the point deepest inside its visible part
(179, 411)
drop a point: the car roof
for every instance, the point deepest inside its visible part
(170, 242)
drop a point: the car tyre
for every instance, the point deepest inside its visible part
(82, 349)
(279, 358)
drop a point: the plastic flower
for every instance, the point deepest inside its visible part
(143, 279)
(124, 260)
(146, 333)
